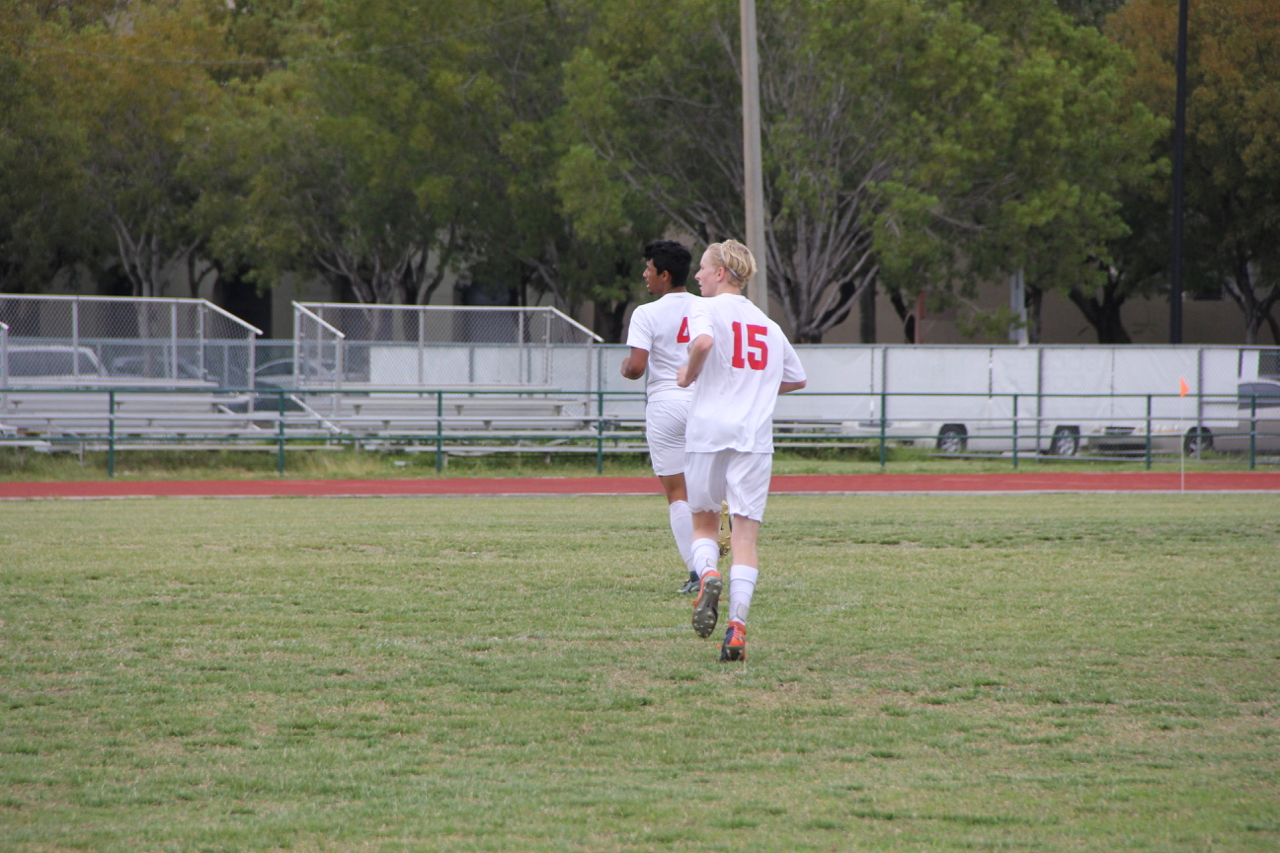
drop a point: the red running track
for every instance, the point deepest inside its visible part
(1136, 481)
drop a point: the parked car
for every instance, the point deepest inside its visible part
(1213, 432)
(37, 364)
(155, 367)
(1257, 419)
(987, 436)
(279, 374)
(1132, 437)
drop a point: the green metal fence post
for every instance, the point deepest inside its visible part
(1015, 431)
(883, 398)
(111, 433)
(600, 432)
(439, 431)
(280, 432)
(1253, 432)
(1148, 432)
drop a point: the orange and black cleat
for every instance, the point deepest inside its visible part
(706, 608)
(735, 643)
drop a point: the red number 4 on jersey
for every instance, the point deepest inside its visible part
(682, 336)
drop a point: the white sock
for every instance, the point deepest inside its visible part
(706, 553)
(742, 585)
(682, 530)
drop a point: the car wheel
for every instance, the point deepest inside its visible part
(953, 438)
(1197, 440)
(1066, 441)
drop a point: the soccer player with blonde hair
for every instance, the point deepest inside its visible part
(739, 362)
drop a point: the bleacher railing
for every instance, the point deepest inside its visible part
(431, 346)
(1231, 429)
(98, 340)
(319, 354)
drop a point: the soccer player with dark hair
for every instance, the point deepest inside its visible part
(658, 336)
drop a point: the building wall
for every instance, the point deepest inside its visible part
(1147, 321)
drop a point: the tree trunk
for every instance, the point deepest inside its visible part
(867, 314)
(1103, 314)
(905, 315)
(608, 319)
(1035, 299)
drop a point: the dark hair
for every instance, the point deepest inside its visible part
(670, 256)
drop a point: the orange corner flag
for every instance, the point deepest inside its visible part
(1183, 388)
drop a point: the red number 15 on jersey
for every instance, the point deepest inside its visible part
(757, 348)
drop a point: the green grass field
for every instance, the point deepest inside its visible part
(1057, 672)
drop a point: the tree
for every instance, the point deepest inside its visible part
(1232, 177)
(348, 162)
(133, 87)
(1017, 158)
(1091, 12)
(923, 147)
(575, 235)
(44, 226)
(654, 111)
(387, 163)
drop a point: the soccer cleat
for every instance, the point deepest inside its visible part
(691, 585)
(734, 646)
(706, 609)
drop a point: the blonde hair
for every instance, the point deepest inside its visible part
(737, 259)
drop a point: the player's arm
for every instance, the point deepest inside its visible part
(633, 366)
(698, 351)
(793, 378)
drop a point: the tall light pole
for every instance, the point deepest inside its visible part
(1179, 145)
(753, 169)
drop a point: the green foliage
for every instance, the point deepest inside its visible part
(929, 147)
(1020, 159)
(535, 147)
(1232, 175)
(1093, 12)
(42, 225)
(350, 167)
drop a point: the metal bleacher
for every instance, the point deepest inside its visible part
(132, 384)
(63, 418)
(392, 416)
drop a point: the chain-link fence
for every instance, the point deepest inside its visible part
(318, 353)
(1049, 399)
(432, 346)
(4, 355)
(1034, 402)
(1046, 399)
(103, 340)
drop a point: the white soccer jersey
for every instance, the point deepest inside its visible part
(661, 328)
(734, 395)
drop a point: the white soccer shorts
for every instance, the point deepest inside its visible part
(740, 478)
(664, 431)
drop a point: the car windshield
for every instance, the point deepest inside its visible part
(1266, 395)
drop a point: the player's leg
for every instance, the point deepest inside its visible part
(664, 431)
(747, 487)
(681, 520)
(704, 478)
